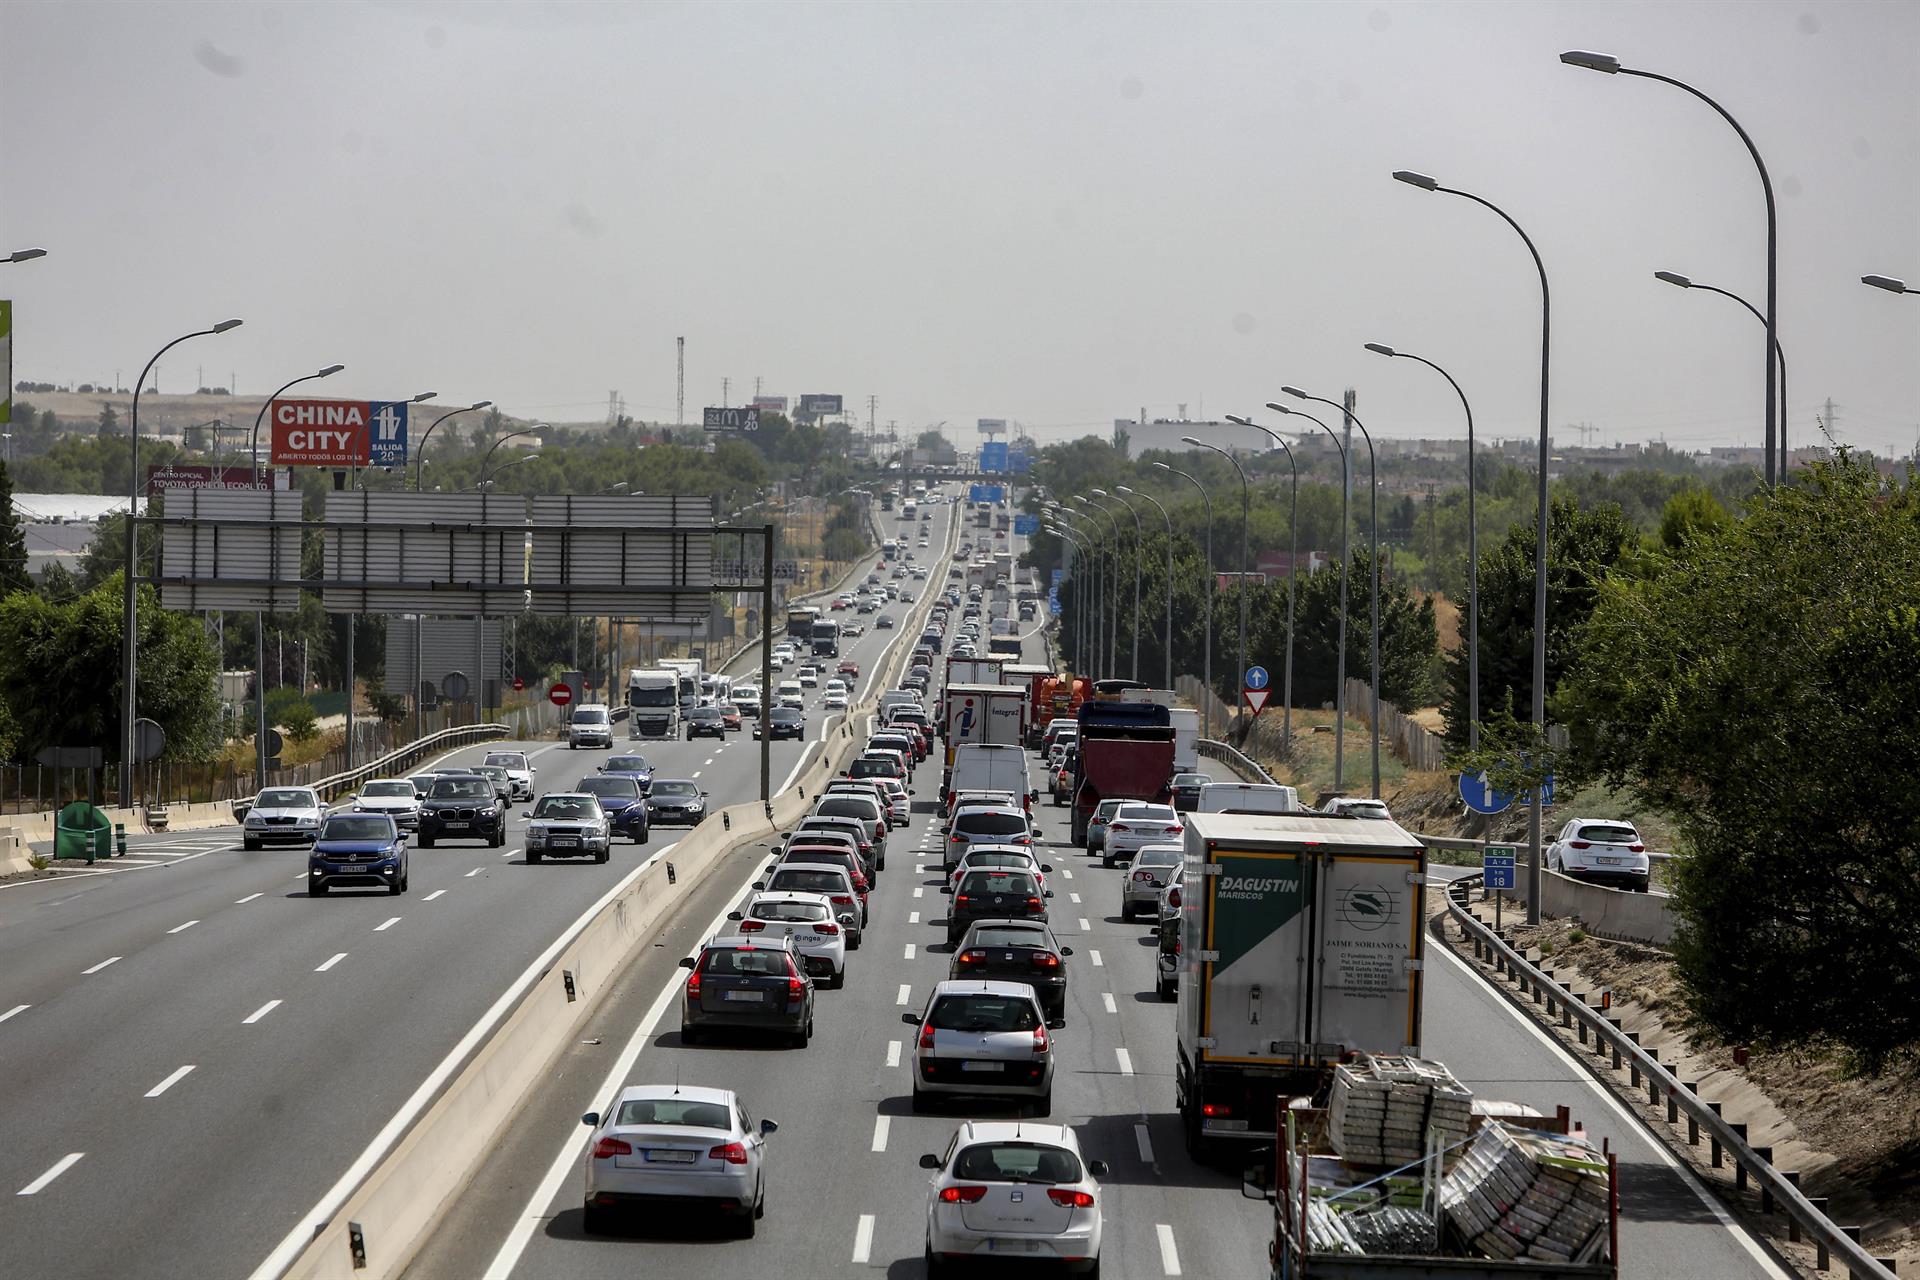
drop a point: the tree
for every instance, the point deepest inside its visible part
(1583, 546)
(930, 440)
(1409, 636)
(13, 541)
(1759, 688)
(1691, 513)
(107, 426)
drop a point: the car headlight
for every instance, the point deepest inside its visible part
(536, 832)
(309, 820)
(255, 820)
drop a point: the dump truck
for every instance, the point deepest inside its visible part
(1125, 753)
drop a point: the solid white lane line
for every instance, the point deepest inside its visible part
(880, 1125)
(169, 1082)
(906, 993)
(1074, 896)
(65, 1163)
(1144, 1141)
(1169, 1256)
(19, 1008)
(260, 1013)
(97, 968)
(249, 898)
(1126, 1061)
(326, 965)
(1106, 998)
(1086, 925)
(893, 1052)
(913, 917)
(1095, 956)
(386, 925)
(182, 928)
(476, 871)
(430, 897)
(863, 1239)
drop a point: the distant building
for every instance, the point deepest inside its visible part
(1165, 433)
(59, 527)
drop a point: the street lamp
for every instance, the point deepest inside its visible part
(1066, 534)
(24, 255)
(1373, 569)
(1540, 519)
(1889, 283)
(1107, 568)
(1087, 608)
(1138, 539)
(1293, 569)
(1473, 551)
(488, 456)
(1245, 512)
(493, 477)
(258, 418)
(1340, 639)
(420, 452)
(1679, 281)
(1610, 65)
(1167, 642)
(620, 486)
(1206, 603)
(130, 641)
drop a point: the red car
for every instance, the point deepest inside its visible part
(849, 668)
(729, 717)
(838, 604)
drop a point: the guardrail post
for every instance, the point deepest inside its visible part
(1793, 1219)
(1633, 1064)
(1693, 1122)
(1819, 1204)
(1717, 1153)
(1653, 1084)
(1740, 1166)
(1766, 1184)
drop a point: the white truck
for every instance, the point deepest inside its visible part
(689, 670)
(981, 715)
(990, 767)
(653, 703)
(1186, 739)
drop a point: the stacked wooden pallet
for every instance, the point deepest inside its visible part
(1382, 1108)
(1518, 1193)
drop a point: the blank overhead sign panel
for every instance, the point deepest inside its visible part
(645, 558)
(462, 553)
(223, 548)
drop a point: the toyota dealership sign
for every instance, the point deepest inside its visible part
(339, 433)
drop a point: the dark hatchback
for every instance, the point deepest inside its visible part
(745, 984)
(358, 851)
(630, 766)
(1186, 790)
(782, 722)
(1016, 951)
(706, 722)
(677, 802)
(994, 895)
(622, 799)
(463, 807)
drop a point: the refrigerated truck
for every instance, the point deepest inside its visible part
(1300, 942)
(690, 672)
(987, 670)
(980, 715)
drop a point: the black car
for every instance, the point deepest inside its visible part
(1166, 961)
(357, 850)
(676, 801)
(463, 806)
(622, 799)
(782, 722)
(1186, 790)
(706, 722)
(747, 984)
(1016, 951)
(994, 895)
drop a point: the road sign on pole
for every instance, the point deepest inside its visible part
(1254, 689)
(1256, 699)
(559, 695)
(1482, 796)
(1497, 862)
(1257, 678)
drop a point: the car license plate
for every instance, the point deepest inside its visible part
(1608, 862)
(1012, 1246)
(455, 826)
(979, 1066)
(670, 1157)
(744, 997)
(564, 842)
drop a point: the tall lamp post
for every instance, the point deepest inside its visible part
(1206, 605)
(1077, 658)
(1089, 548)
(130, 641)
(1473, 551)
(1246, 508)
(1110, 593)
(1167, 640)
(1139, 538)
(1426, 183)
(1340, 640)
(1679, 281)
(1293, 555)
(24, 255)
(1607, 63)
(487, 458)
(420, 450)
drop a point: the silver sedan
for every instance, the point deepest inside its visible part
(1148, 875)
(676, 1147)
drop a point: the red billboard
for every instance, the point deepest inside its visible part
(319, 433)
(182, 476)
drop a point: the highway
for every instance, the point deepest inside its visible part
(194, 1053)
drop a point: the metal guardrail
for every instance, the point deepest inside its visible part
(1646, 1071)
(403, 757)
(1216, 750)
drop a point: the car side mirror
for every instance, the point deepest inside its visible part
(1046, 893)
(929, 1161)
(687, 962)
(526, 817)
(591, 1119)
(1066, 951)
(1045, 868)
(735, 915)
(911, 1019)
(946, 888)
(1056, 1024)
(1033, 795)
(759, 884)
(1098, 1168)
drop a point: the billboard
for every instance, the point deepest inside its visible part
(1026, 526)
(993, 456)
(738, 418)
(196, 477)
(985, 493)
(820, 406)
(992, 426)
(771, 404)
(338, 433)
(1020, 463)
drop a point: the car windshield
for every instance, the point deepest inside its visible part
(873, 769)
(566, 807)
(748, 694)
(1609, 833)
(675, 790)
(610, 785)
(978, 861)
(461, 788)
(492, 771)
(748, 962)
(800, 880)
(625, 764)
(704, 713)
(1016, 1162)
(388, 789)
(365, 826)
(507, 759)
(848, 808)
(978, 882)
(675, 1113)
(666, 695)
(1159, 857)
(286, 800)
(1005, 936)
(1192, 780)
(590, 715)
(786, 715)
(1145, 813)
(788, 911)
(990, 824)
(983, 1011)
(1107, 808)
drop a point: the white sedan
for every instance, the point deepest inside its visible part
(818, 933)
(676, 1147)
(1005, 1190)
(1136, 825)
(282, 815)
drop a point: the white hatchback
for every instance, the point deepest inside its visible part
(1605, 851)
(811, 920)
(1004, 1190)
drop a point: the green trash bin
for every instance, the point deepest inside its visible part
(82, 831)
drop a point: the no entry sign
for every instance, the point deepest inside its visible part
(559, 695)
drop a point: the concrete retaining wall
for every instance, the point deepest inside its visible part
(1609, 913)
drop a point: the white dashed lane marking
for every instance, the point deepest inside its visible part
(103, 964)
(169, 1082)
(65, 1163)
(260, 1013)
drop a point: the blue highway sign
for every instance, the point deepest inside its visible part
(1257, 678)
(1497, 863)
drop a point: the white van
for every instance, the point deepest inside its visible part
(1247, 797)
(590, 726)
(989, 767)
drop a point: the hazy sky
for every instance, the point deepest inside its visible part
(1049, 212)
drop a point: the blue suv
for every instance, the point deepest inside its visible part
(357, 850)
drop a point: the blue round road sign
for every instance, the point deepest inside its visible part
(1257, 678)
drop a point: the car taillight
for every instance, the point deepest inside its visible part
(926, 1036)
(1174, 831)
(1118, 826)
(969, 959)
(959, 898)
(961, 1195)
(1173, 897)
(831, 930)
(693, 984)
(607, 1148)
(1581, 844)
(957, 838)
(1033, 904)
(752, 926)
(732, 1153)
(1040, 1039)
(796, 989)
(1636, 848)
(1070, 1198)
(1045, 960)
(1215, 1109)
(841, 899)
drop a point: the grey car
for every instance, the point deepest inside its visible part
(747, 984)
(568, 824)
(983, 1038)
(1140, 889)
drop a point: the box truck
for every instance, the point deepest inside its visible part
(981, 715)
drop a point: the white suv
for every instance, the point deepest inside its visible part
(591, 726)
(1603, 850)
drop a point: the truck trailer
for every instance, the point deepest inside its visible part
(1125, 752)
